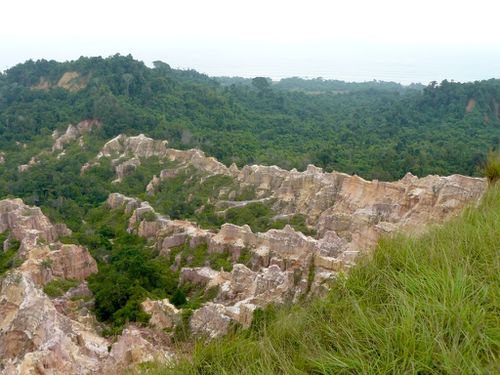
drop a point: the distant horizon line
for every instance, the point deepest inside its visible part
(272, 77)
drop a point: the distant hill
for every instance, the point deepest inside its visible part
(320, 85)
(373, 129)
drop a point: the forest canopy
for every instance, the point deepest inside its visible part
(374, 129)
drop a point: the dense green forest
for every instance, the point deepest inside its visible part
(320, 85)
(376, 130)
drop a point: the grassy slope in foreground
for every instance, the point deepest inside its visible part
(426, 306)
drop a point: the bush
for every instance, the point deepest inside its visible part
(8, 258)
(491, 169)
(57, 287)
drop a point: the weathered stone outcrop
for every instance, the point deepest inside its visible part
(348, 213)
(138, 146)
(43, 335)
(133, 346)
(120, 201)
(197, 159)
(71, 81)
(210, 321)
(126, 154)
(24, 167)
(45, 262)
(27, 223)
(164, 315)
(359, 211)
(145, 222)
(34, 336)
(72, 133)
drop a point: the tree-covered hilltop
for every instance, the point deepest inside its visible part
(376, 130)
(320, 85)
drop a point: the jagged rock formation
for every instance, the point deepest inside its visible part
(356, 209)
(34, 336)
(24, 167)
(71, 81)
(127, 152)
(28, 224)
(348, 213)
(133, 346)
(72, 133)
(164, 315)
(359, 211)
(37, 334)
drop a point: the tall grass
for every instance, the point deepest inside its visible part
(420, 306)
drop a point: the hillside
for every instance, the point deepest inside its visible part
(419, 306)
(159, 217)
(375, 130)
(198, 249)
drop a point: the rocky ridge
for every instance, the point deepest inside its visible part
(36, 334)
(348, 213)
(72, 133)
(358, 210)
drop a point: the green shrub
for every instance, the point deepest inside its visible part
(491, 169)
(149, 216)
(57, 287)
(221, 260)
(178, 298)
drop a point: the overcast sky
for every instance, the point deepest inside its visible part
(400, 40)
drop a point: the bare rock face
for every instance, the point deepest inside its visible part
(34, 335)
(348, 213)
(126, 168)
(132, 348)
(145, 222)
(356, 210)
(126, 153)
(72, 133)
(46, 262)
(41, 335)
(24, 167)
(120, 201)
(203, 276)
(198, 160)
(164, 315)
(210, 321)
(359, 211)
(28, 223)
(139, 146)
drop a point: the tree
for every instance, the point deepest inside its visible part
(261, 83)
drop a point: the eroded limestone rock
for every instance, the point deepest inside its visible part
(34, 335)
(164, 315)
(132, 348)
(72, 133)
(58, 336)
